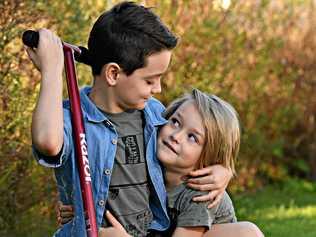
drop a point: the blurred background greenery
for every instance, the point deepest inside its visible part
(257, 54)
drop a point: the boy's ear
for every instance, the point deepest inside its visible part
(111, 73)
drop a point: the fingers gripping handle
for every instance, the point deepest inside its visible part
(30, 38)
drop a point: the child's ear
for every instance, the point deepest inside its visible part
(111, 73)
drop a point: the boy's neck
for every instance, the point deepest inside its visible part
(101, 96)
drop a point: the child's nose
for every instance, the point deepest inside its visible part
(176, 136)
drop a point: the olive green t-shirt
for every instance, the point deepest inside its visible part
(184, 212)
(128, 198)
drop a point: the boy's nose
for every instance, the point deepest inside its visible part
(156, 89)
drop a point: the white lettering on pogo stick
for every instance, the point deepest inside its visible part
(85, 160)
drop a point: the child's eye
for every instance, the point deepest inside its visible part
(193, 138)
(148, 82)
(174, 122)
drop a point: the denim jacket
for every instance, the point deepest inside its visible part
(101, 142)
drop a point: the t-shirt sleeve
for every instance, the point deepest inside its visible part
(60, 158)
(194, 214)
(225, 212)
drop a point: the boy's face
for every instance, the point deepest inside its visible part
(181, 140)
(133, 91)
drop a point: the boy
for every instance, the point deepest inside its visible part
(129, 51)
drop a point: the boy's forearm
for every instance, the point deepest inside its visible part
(47, 120)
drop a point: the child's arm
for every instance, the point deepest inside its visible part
(47, 120)
(213, 179)
(189, 232)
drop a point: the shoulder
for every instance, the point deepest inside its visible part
(225, 212)
(226, 203)
(188, 192)
(186, 208)
(184, 200)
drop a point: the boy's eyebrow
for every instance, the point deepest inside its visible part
(199, 133)
(154, 75)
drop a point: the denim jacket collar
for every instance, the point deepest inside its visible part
(93, 114)
(90, 110)
(155, 120)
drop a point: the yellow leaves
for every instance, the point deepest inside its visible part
(221, 4)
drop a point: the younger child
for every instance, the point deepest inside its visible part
(202, 130)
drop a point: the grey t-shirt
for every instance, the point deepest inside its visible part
(128, 198)
(184, 212)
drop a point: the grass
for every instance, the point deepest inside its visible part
(281, 210)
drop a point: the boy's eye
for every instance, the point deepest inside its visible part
(149, 82)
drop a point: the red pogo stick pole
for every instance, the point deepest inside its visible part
(80, 142)
(29, 39)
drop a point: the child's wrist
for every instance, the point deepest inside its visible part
(50, 74)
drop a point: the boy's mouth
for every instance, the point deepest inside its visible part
(170, 147)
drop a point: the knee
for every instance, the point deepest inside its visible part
(249, 229)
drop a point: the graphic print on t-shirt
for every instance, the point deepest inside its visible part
(132, 155)
(143, 220)
(113, 192)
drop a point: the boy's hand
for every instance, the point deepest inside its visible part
(48, 57)
(64, 213)
(214, 179)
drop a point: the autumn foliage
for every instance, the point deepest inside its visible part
(258, 55)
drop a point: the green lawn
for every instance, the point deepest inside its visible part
(287, 210)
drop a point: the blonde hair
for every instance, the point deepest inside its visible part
(222, 130)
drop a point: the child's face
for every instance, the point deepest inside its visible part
(181, 140)
(133, 91)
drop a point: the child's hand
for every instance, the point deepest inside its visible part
(64, 213)
(214, 179)
(48, 57)
(116, 230)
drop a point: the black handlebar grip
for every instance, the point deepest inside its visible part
(30, 38)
